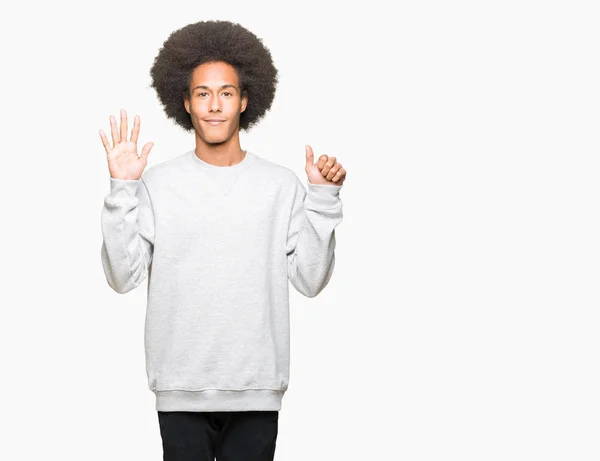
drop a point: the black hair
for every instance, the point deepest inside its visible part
(214, 41)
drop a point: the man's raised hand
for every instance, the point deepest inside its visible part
(123, 159)
(327, 171)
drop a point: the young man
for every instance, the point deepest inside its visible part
(218, 231)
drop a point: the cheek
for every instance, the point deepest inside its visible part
(197, 106)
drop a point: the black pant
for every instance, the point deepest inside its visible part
(228, 435)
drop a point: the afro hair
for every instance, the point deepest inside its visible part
(212, 41)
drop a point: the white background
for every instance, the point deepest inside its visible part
(462, 318)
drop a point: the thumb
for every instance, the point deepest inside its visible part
(146, 150)
(310, 156)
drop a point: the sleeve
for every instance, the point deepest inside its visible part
(128, 234)
(311, 236)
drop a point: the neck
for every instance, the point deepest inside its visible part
(224, 154)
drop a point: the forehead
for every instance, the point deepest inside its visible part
(214, 74)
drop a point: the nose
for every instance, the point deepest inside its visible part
(215, 104)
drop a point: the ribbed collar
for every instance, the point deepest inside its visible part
(245, 163)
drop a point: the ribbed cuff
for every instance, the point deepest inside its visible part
(323, 196)
(123, 189)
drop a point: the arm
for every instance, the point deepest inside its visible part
(128, 234)
(311, 237)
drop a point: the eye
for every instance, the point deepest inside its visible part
(227, 92)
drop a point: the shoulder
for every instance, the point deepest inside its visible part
(278, 173)
(165, 169)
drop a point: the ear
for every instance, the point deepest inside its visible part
(186, 103)
(244, 103)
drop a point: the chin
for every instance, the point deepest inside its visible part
(211, 139)
(214, 141)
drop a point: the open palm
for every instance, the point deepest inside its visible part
(123, 159)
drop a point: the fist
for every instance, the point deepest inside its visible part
(327, 171)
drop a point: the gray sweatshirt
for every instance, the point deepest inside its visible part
(218, 246)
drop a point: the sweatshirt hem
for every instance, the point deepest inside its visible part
(219, 400)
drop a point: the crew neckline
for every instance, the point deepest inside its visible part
(238, 166)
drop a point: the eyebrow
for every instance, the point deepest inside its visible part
(204, 87)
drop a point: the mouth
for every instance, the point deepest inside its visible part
(214, 122)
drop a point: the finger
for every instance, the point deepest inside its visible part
(113, 130)
(123, 125)
(322, 160)
(333, 171)
(105, 142)
(310, 156)
(136, 129)
(146, 150)
(328, 165)
(341, 174)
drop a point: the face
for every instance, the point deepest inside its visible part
(215, 94)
